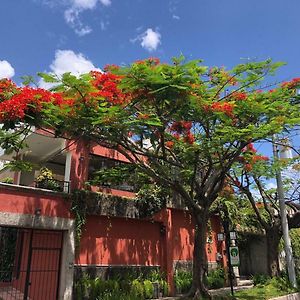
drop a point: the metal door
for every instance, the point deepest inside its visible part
(30, 262)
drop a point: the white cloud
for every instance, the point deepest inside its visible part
(6, 69)
(150, 39)
(68, 61)
(175, 17)
(106, 2)
(73, 20)
(84, 4)
(271, 186)
(72, 11)
(72, 14)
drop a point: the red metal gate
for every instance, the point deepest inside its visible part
(29, 263)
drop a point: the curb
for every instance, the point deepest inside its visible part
(294, 296)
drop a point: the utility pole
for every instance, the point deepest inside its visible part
(284, 221)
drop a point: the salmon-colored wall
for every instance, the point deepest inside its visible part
(120, 241)
(20, 200)
(109, 153)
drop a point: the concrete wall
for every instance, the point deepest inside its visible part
(253, 256)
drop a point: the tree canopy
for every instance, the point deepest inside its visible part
(182, 124)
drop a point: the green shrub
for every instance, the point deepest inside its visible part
(183, 281)
(155, 276)
(7, 180)
(164, 287)
(260, 279)
(281, 283)
(215, 279)
(137, 289)
(118, 289)
(148, 289)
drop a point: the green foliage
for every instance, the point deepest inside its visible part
(126, 287)
(183, 281)
(150, 199)
(18, 166)
(46, 180)
(275, 287)
(216, 278)
(137, 289)
(260, 279)
(7, 180)
(148, 289)
(78, 208)
(183, 125)
(114, 176)
(295, 241)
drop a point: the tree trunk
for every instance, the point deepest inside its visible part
(273, 236)
(200, 264)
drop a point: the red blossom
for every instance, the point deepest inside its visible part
(107, 84)
(250, 148)
(169, 144)
(111, 67)
(189, 138)
(7, 85)
(26, 100)
(181, 126)
(239, 96)
(248, 167)
(291, 84)
(224, 107)
(153, 61)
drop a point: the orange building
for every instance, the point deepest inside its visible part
(38, 258)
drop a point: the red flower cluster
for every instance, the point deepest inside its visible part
(169, 144)
(111, 67)
(250, 148)
(25, 101)
(107, 85)
(189, 138)
(249, 157)
(153, 61)
(181, 126)
(239, 96)
(6, 85)
(291, 84)
(183, 129)
(225, 107)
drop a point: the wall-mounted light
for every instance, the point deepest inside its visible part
(232, 235)
(220, 237)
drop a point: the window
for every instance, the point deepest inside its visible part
(98, 163)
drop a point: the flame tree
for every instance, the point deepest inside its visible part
(182, 124)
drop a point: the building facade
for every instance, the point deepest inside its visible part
(39, 258)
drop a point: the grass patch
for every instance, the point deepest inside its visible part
(272, 288)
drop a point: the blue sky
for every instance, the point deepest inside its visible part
(76, 35)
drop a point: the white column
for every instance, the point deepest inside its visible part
(67, 170)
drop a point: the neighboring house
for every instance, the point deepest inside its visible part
(38, 259)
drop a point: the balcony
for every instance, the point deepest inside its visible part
(42, 152)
